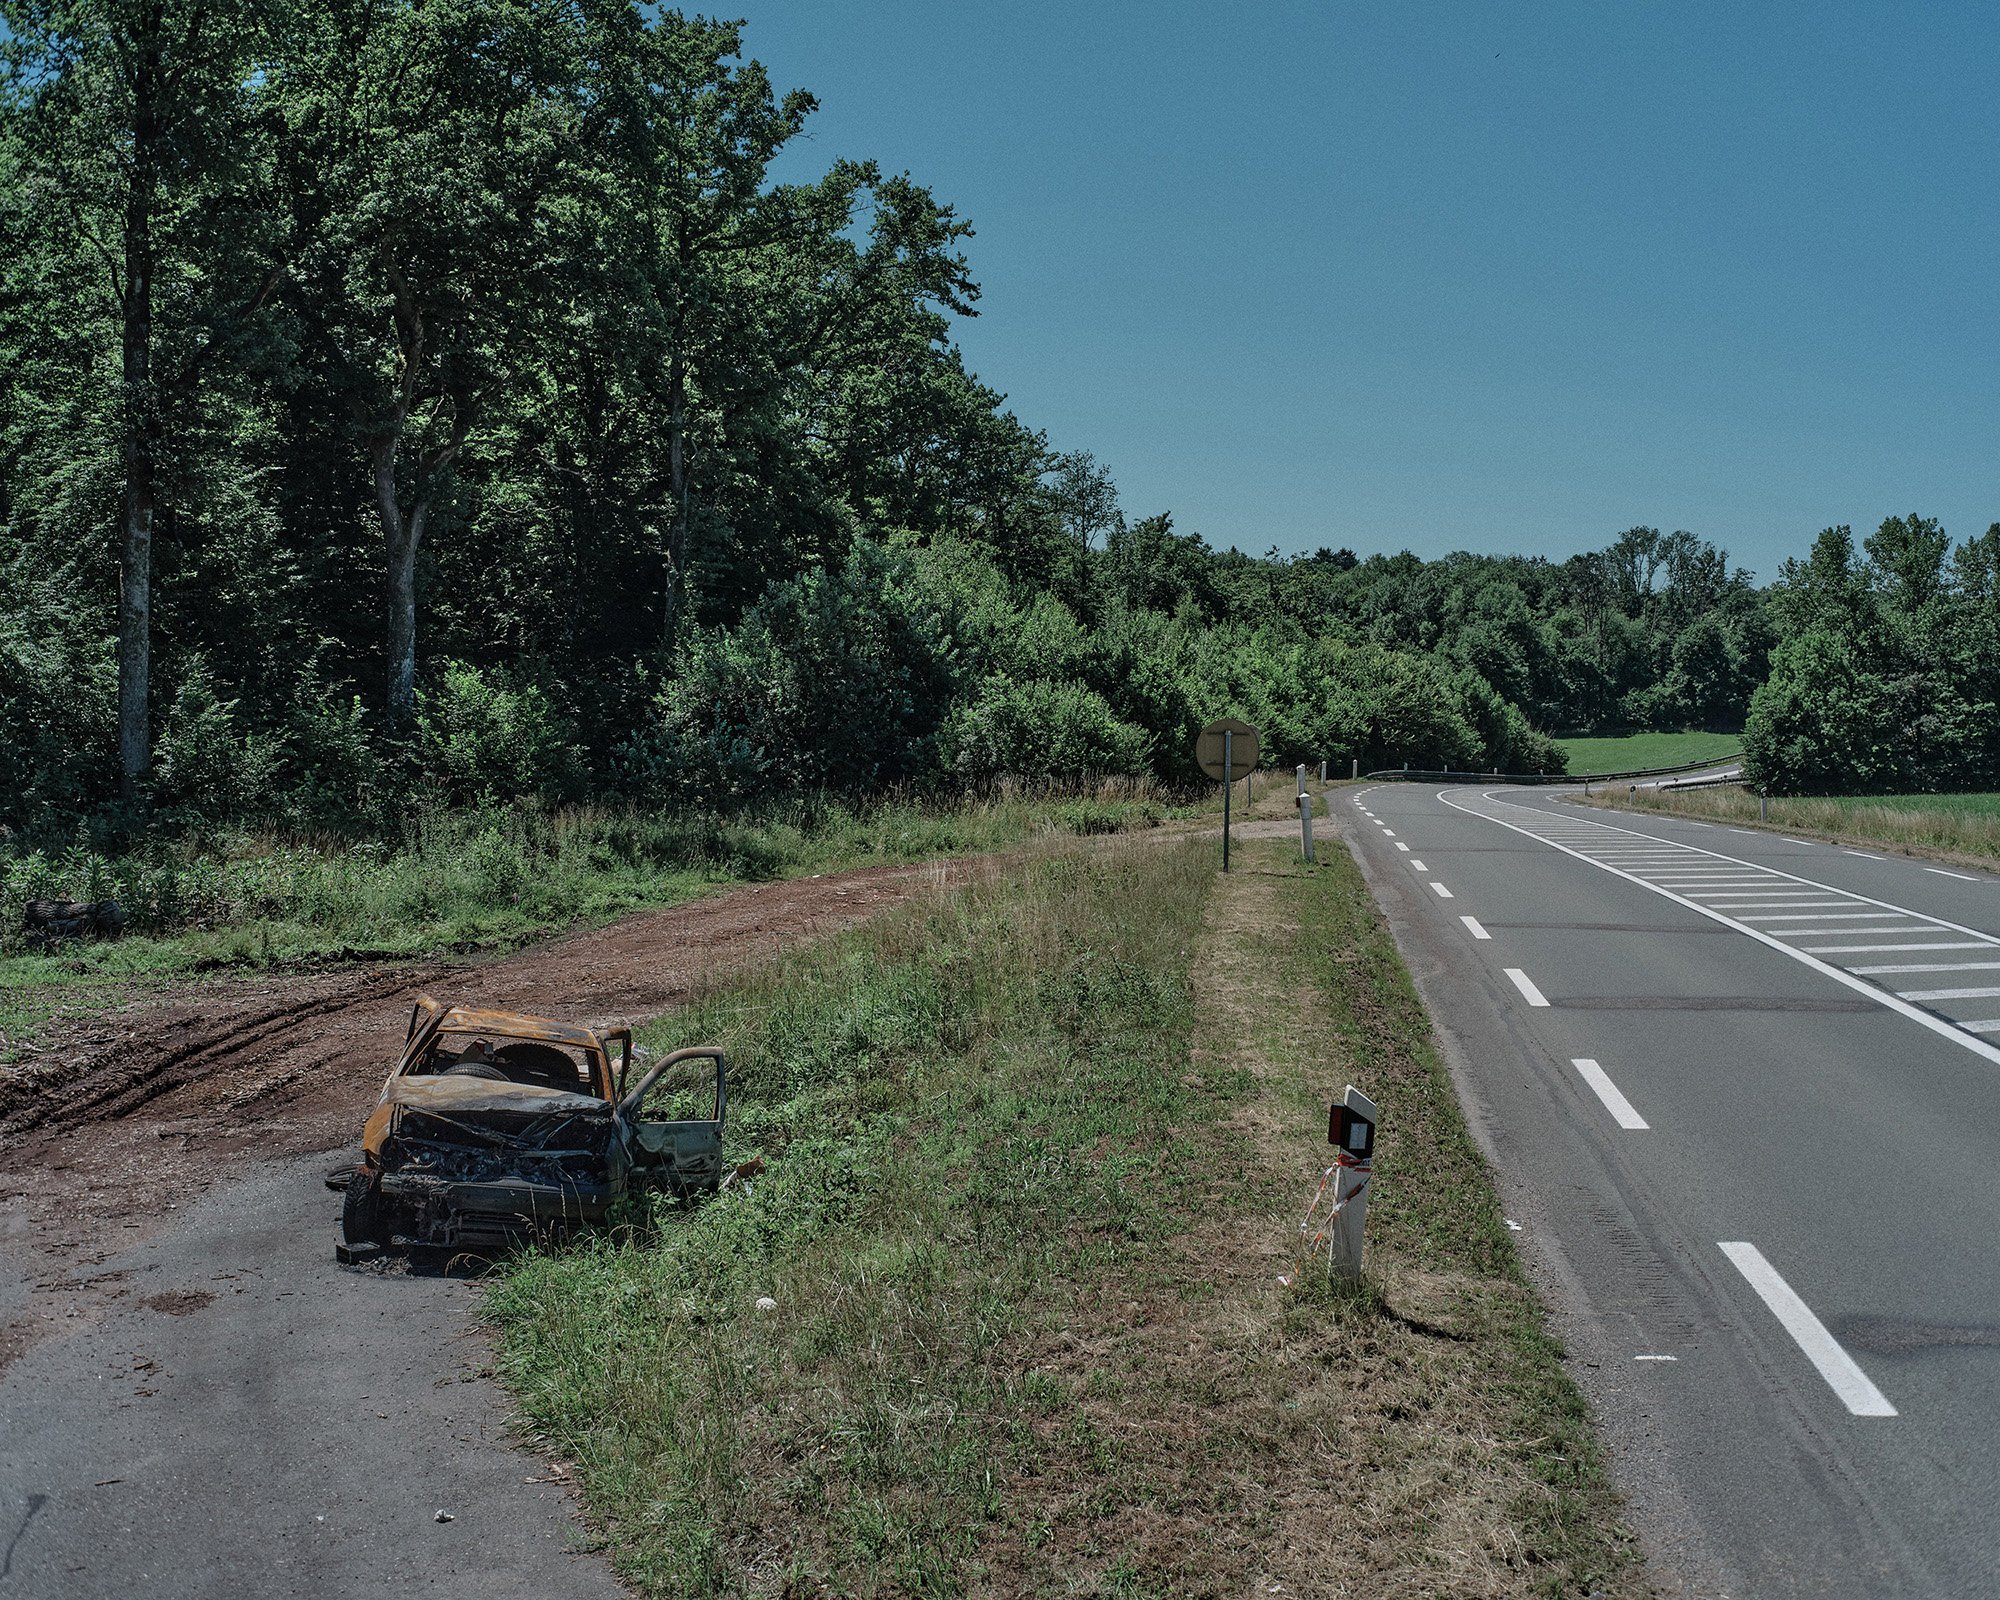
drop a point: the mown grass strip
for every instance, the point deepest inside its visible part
(1504, 1488)
(1035, 1159)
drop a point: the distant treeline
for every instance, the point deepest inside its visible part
(438, 401)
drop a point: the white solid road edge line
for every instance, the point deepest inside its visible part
(1473, 927)
(1925, 1019)
(1526, 985)
(1607, 1091)
(1857, 1392)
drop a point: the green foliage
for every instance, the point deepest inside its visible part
(209, 767)
(836, 680)
(57, 691)
(481, 739)
(1889, 671)
(1040, 730)
(334, 780)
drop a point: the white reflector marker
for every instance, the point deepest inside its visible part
(1526, 985)
(1847, 1380)
(1472, 927)
(1607, 1091)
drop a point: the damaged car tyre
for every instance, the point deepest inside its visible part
(363, 1215)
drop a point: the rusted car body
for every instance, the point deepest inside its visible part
(494, 1125)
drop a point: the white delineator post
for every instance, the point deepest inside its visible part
(1352, 1132)
(1306, 822)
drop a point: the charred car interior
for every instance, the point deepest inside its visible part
(496, 1126)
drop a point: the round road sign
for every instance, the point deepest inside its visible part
(1242, 749)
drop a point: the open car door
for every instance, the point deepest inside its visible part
(679, 1154)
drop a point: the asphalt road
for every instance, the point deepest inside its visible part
(1743, 1097)
(248, 1419)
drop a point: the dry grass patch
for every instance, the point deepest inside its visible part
(1412, 1435)
(1964, 828)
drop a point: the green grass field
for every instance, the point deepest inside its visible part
(1036, 1153)
(1635, 752)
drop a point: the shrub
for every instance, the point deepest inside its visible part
(333, 776)
(1041, 730)
(835, 680)
(206, 768)
(485, 739)
(58, 698)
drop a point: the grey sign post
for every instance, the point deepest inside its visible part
(1227, 750)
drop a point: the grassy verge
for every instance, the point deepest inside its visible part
(1037, 1151)
(1951, 827)
(460, 881)
(1637, 751)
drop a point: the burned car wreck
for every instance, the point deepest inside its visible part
(495, 1126)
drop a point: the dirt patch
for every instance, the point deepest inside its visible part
(140, 1117)
(179, 1302)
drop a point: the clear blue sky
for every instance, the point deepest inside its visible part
(1462, 276)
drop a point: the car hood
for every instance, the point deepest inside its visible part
(456, 1095)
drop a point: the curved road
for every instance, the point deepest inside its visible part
(1743, 1096)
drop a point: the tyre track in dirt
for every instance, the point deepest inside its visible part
(138, 1119)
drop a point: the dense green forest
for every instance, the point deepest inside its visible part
(422, 402)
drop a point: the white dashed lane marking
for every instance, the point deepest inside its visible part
(1607, 1091)
(1526, 985)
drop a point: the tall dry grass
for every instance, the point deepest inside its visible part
(1956, 827)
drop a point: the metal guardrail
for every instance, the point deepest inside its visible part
(1446, 775)
(1721, 780)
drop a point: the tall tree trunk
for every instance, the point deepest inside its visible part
(403, 537)
(677, 483)
(400, 538)
(139, 423)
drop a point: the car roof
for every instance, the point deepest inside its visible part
(516, 1025)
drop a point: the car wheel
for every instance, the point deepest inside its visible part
(363, 1218)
